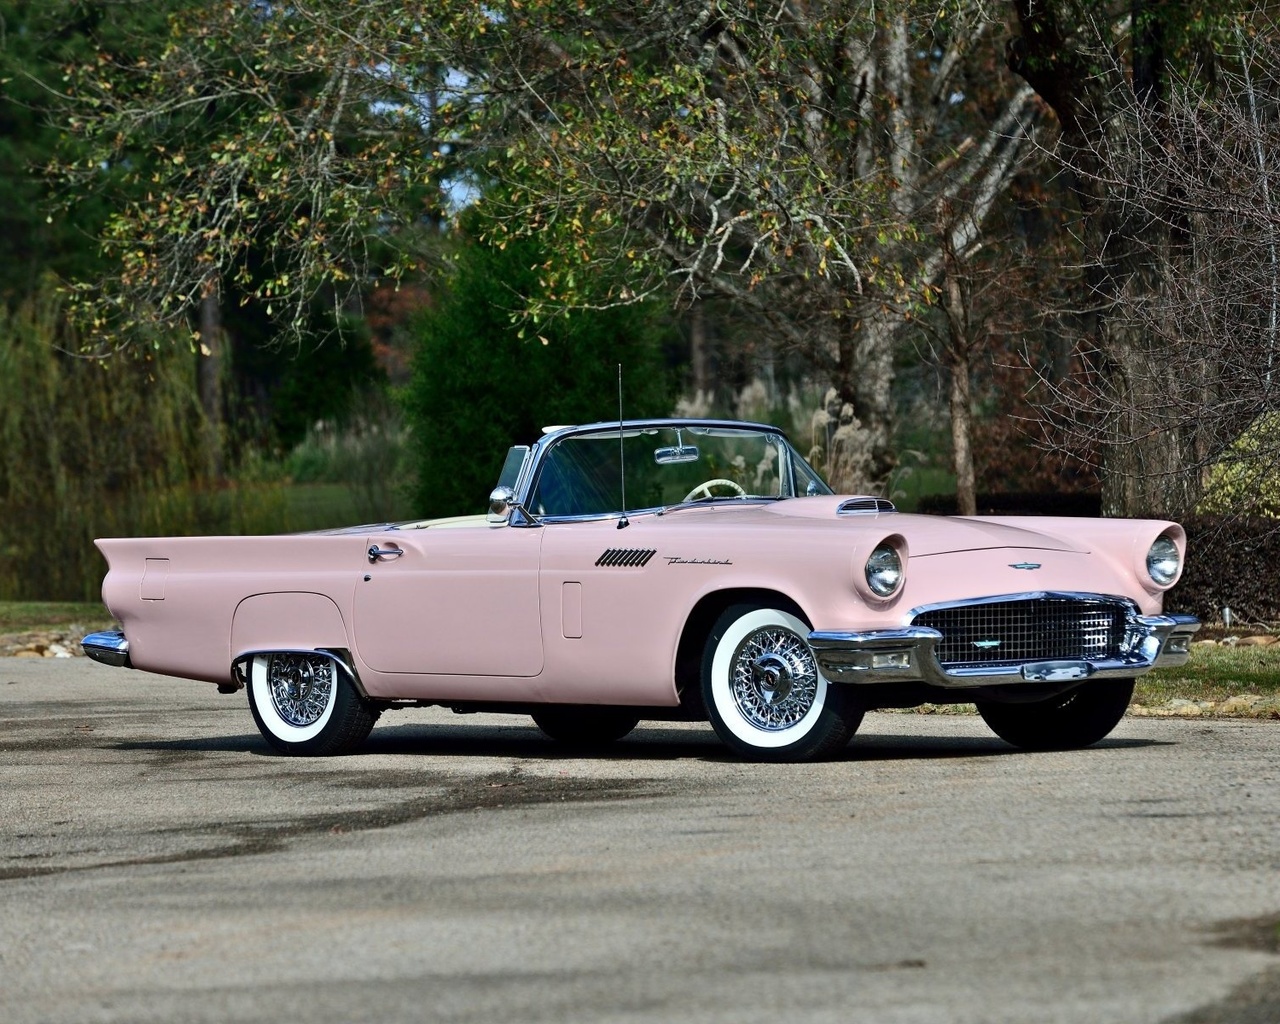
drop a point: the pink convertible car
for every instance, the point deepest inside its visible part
(664, 569)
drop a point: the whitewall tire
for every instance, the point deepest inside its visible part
(764, 694)
(304, 702)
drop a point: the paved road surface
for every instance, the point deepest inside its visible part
(159, 864)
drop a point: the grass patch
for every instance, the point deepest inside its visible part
(1215, 673)
(24, 616)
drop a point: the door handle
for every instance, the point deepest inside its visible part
(376, 553)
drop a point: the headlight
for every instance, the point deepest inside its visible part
(1162, 561)
(884, 571)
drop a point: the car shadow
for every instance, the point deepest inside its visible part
(871, 747)
(646, 743)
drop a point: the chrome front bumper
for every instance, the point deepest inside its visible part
(907, 656)
(110, 648)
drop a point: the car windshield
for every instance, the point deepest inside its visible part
(667, 465)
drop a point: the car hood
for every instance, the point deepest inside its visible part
(929, 535)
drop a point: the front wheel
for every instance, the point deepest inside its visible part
(764, 693)
(305, 703)
(1069, 721)
(577, 726)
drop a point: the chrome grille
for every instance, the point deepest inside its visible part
(1039, 629)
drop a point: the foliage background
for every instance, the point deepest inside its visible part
(482, 382)
(90, 449)
(906, 229)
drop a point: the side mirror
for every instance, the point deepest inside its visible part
(500, 503)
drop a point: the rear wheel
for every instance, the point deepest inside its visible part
(1068, 721)
(306, 703)
(764, 693)
(584, 726)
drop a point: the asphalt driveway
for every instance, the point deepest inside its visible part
(159, 863)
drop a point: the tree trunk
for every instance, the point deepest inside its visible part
(873, 396)
(1151, 463)
(860, 457)
(699, 356)
(209, 376)
(961, 435)
(958, 352)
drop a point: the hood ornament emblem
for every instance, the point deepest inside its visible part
(1024, 565)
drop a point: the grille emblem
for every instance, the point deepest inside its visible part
(986, 645)
(1024, 565)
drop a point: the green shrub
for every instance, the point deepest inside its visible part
(478, 387)
(1245, 478)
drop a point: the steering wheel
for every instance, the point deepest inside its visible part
(703, 490)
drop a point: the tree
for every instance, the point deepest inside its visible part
(1162, 357)
(37, 42)
(959, 350)
(789, 158)
(219, 142)
(270, 150)
(63, 475)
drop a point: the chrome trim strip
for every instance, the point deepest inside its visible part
(863, 505)
(1028, 595)
(533, 463)
(109, 647)
(340, 655)
(874, 638)
(602, 517)
(653, 510)
(1177, 646)
(907, 655)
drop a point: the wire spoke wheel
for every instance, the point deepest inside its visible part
(301, 686)
(306, 702)
(764, 693)
(775, 678)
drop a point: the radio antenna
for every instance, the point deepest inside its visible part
(622, 463)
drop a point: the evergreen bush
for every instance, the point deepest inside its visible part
(479, 386)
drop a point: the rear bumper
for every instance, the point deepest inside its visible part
(907, 656)
(110, 648)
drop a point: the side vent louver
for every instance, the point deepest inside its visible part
(625, 558)
(865, 507)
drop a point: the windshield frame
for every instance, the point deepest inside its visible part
(526, 486)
